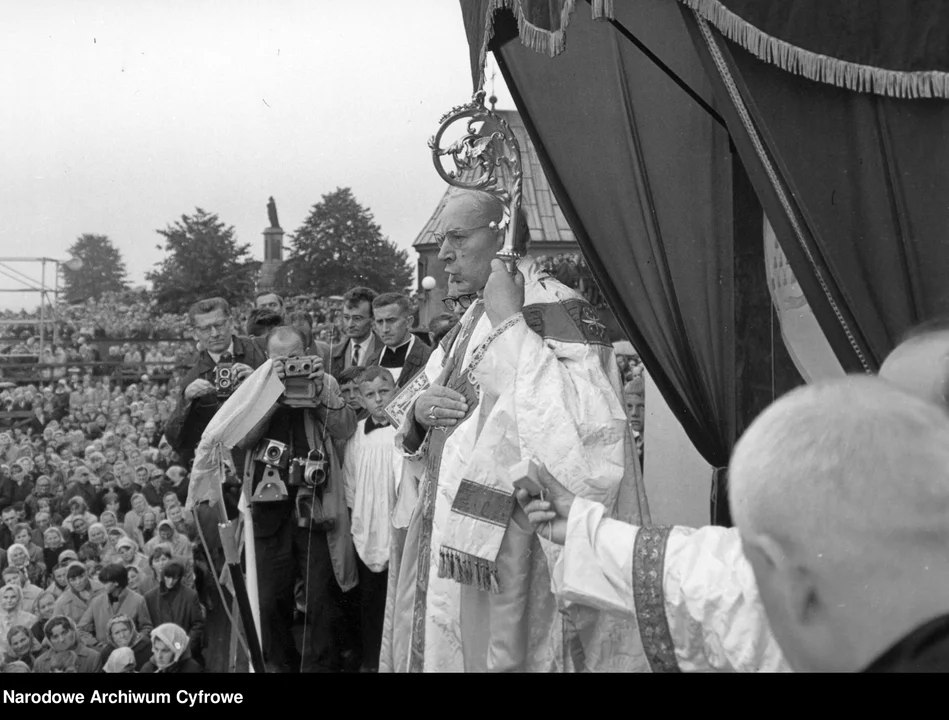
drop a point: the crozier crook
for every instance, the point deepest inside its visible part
(486, 158)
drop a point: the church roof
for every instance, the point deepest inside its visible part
(544, 216)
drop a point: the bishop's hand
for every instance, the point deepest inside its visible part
(440, 406)
(503, 293)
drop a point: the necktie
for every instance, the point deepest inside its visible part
(355, 354)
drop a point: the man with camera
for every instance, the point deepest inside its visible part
(301, 523)
(224, 361)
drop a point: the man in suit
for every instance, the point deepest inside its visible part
(214, 329)
(361, 346)
(404, 353)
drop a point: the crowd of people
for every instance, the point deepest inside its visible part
(384, 476)
(97, 549)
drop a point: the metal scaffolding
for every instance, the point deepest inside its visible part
(49, 315)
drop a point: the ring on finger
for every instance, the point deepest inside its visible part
(432, 415)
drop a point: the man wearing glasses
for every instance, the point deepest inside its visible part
(214, 329)
(528, 372)
(360, 346)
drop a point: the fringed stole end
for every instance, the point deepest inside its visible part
(468, 570)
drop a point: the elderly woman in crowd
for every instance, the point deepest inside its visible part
(172, 602)
(62, 637)
(12, 614)
(133, 523)
(43, 608)
(20, 646)
(129, 556)
(167, 533)
(116, 600)
(80, 591)
(53, 545)
(19, 557)
(170, 653)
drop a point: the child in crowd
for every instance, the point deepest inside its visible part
(371, 471)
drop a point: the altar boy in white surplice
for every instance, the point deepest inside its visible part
(371, 471)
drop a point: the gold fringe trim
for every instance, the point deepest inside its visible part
(468, 570)
(551, 43)
(814, 66)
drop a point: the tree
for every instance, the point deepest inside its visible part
(102, 269)
(338, 247)
(204, 260)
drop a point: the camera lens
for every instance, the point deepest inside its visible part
(273, 453)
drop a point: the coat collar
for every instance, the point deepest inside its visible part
(206, 362)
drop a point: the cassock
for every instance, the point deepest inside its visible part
(469, 582)
(691, 592)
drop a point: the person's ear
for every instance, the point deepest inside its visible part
(795, 584)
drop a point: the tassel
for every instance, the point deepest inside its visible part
(814, 66)
(468, 570)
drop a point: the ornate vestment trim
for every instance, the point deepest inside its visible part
(567, 321)
(649, 555)
(483, 503)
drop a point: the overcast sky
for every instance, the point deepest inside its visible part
(118, 117)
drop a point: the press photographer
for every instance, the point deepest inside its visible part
(222, 364)
(301, 524)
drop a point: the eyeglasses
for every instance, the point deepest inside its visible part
(462, 301)
(456, 237)
(207, 329)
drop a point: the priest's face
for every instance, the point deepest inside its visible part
(467, 242)
(392, 325)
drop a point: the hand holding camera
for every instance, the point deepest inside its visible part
(198, 388)
(302, 378)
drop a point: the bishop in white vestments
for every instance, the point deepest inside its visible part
(469, 582)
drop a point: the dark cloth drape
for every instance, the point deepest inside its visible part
(643, 175)
(909, 35)
(866, 178)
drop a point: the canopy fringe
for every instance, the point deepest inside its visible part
(548, 42)
(814, 66)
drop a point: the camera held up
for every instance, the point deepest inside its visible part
(300, 390)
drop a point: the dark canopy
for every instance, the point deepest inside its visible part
(668, 128)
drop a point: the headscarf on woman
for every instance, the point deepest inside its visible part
(43, 608)
(140, 645)
(122, 660)
(11, 613)
(175, 639)
(53, 544)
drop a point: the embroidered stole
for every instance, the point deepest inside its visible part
(458, 381)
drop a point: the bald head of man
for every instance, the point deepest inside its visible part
(920, 364)
(841, 494)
